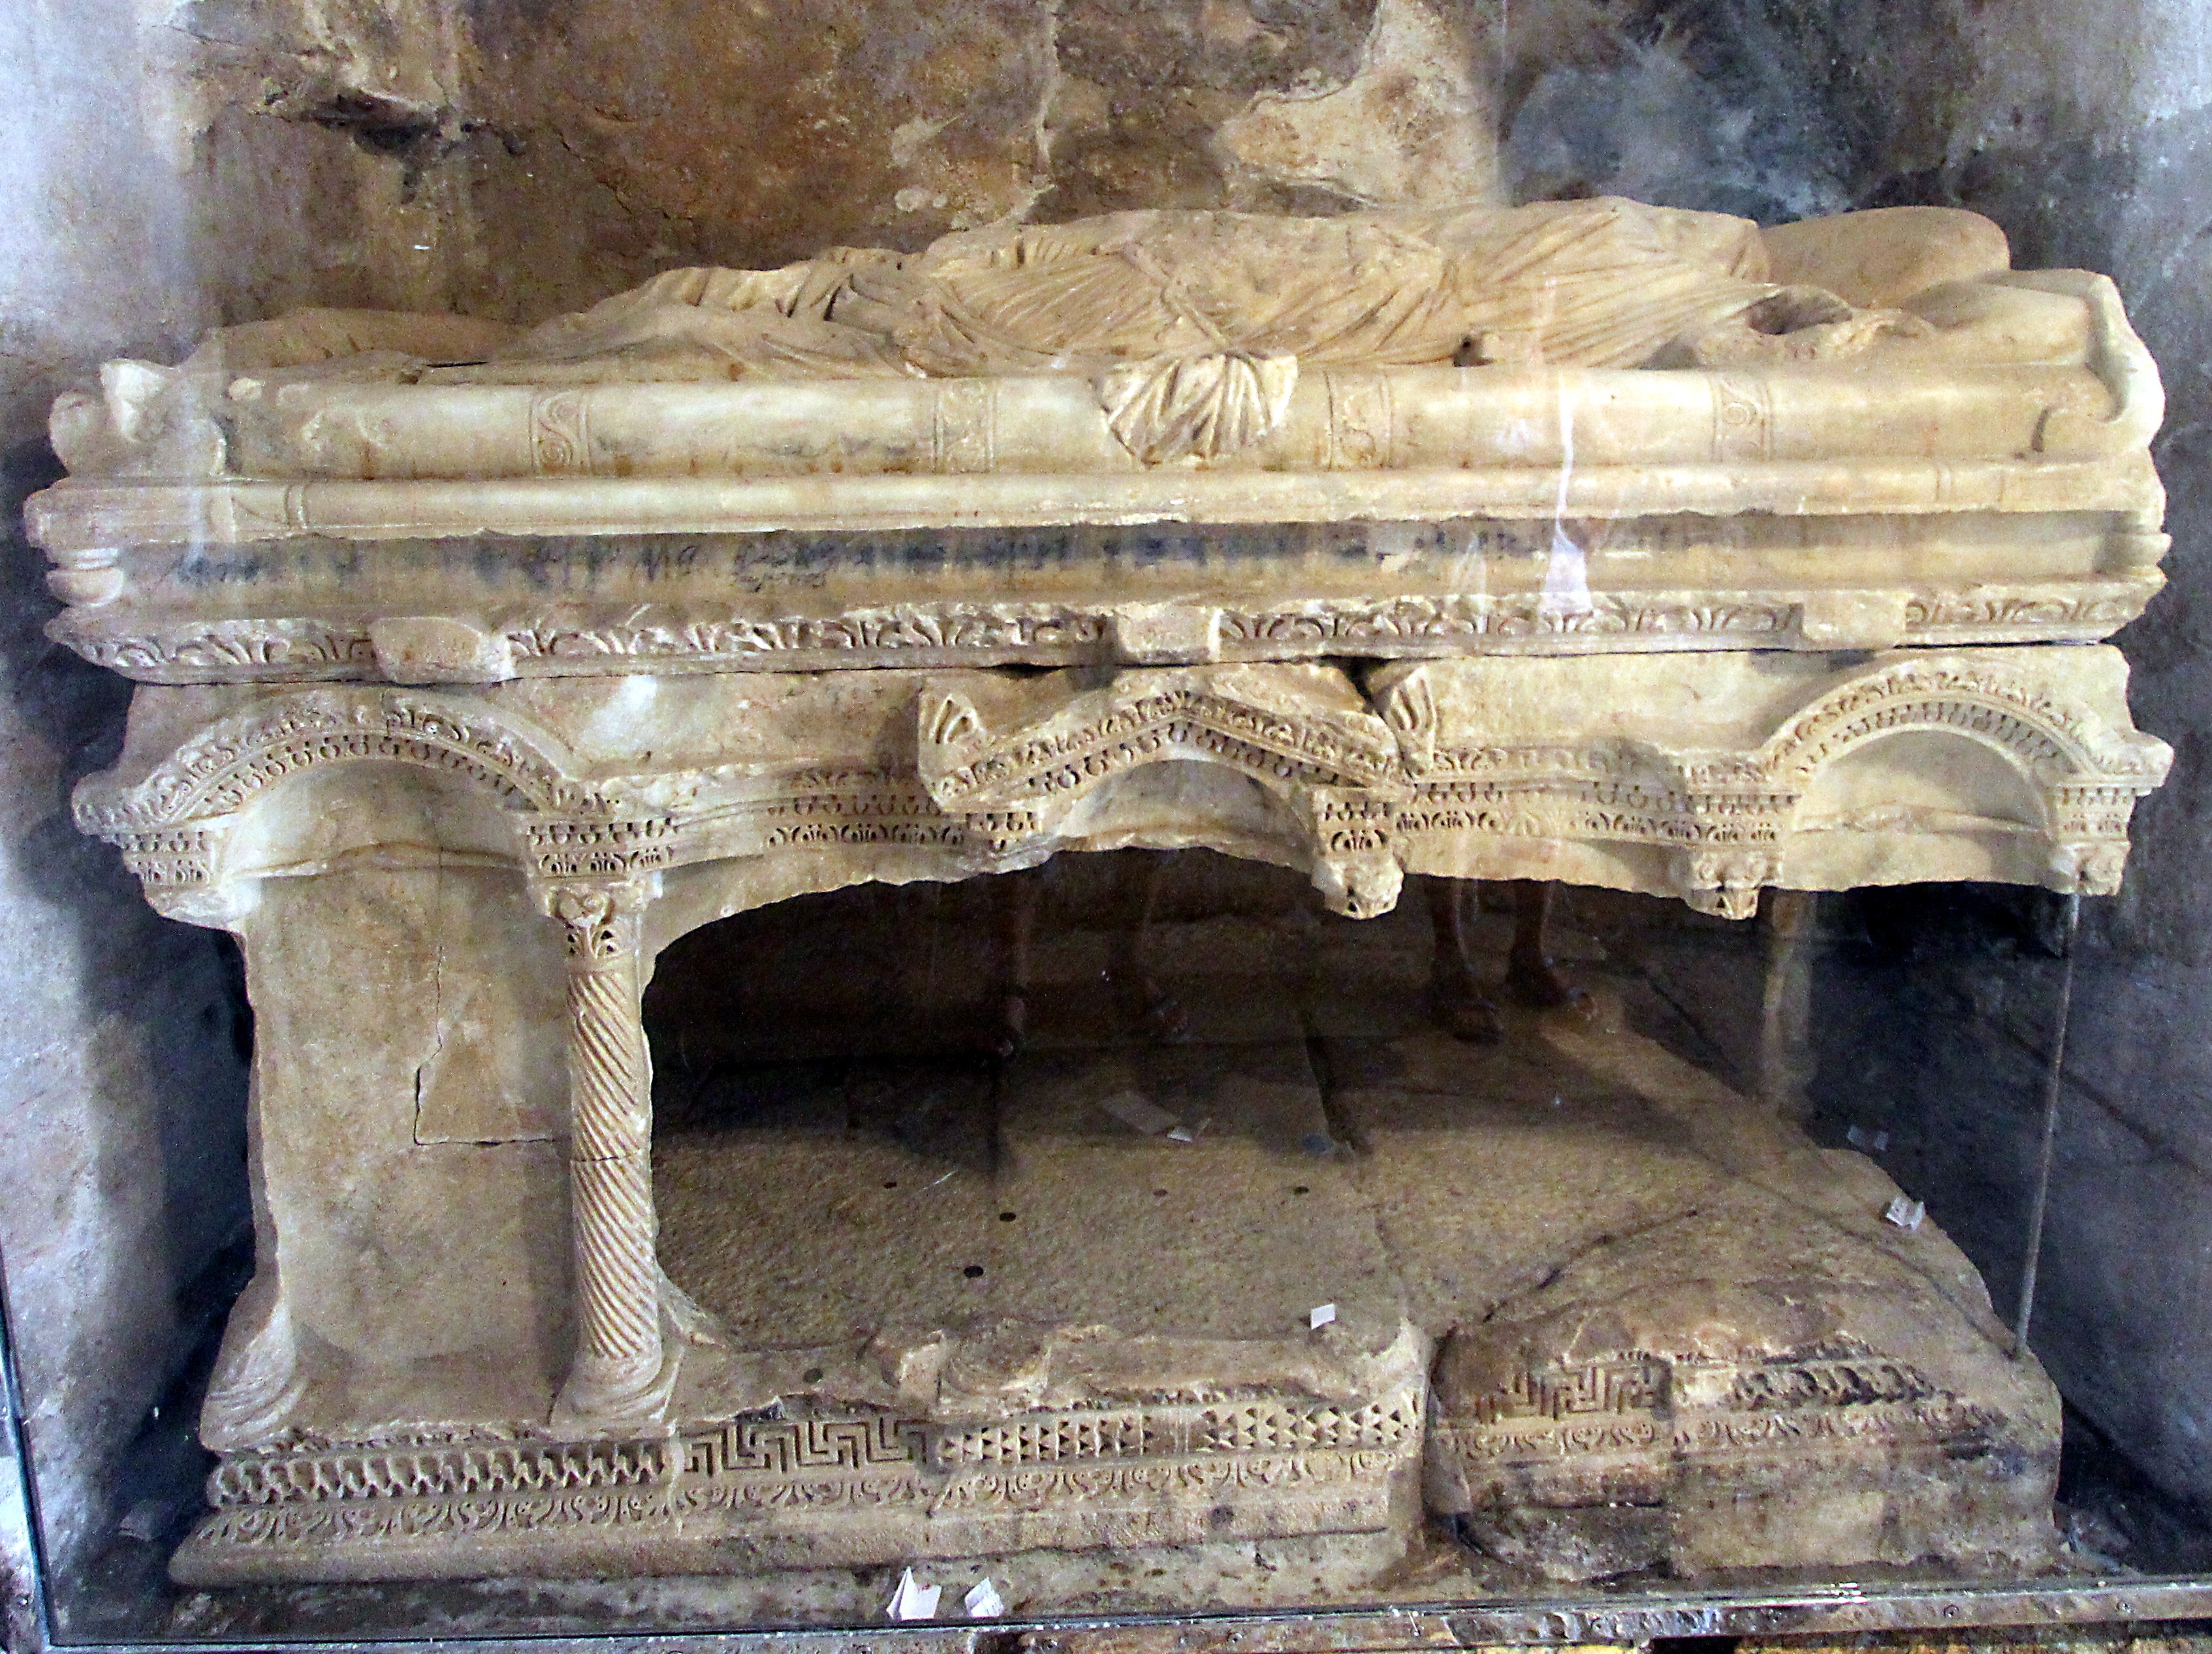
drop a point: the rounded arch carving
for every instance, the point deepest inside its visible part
(1930, 773)
(242, 758)
(2048, 742)
(1148, 719)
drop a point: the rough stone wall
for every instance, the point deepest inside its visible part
(515, 158)
(121, 1087)
(182, 162)
(2088, 135)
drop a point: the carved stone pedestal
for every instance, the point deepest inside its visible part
(433, 1372)
(1634, 1324)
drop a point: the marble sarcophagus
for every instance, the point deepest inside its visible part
(1586, 542)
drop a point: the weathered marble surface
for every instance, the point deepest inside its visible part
(593, 1411)
(546, 167)
(1142, 339)
(1387, 364)
(1703, 776)
(1473, 1191)
(1736, 1391)
(1697, 1350)
(1639, 429)
(1622, 574)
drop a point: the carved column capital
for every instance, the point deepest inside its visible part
(603, 922)
(1354, 867)
(179, 867)
(1726, 883)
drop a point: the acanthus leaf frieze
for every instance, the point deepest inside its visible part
(164, 648)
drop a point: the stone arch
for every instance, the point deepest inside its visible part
(177, 824)
(1325, 761)
(1929, 771)
(240, 758)
(2048, 742)
(1211, 716)
(1939, 769)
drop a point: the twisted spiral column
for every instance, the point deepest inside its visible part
(617, 1368)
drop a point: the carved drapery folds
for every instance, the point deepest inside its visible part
(619, 1374)
(1365, 546)
(1982, 476)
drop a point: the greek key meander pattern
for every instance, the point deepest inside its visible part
(1926, 1423)
(1639, 1403)
(1635, 1383)
(762, 1467)
(767, 1468)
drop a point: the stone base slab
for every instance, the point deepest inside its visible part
(813, 1493)
(1737, 1388)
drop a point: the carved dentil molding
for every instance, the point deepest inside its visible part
(1334, 764)
(2008, 712)
(171, 825)
(1365, 786)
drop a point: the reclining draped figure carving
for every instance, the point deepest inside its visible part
(1585, 542)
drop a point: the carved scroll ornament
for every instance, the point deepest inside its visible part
(1418, 779)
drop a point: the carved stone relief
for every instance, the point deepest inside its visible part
(1581, 541)
(1989, 446)
(1475, 768)
(1668, 1397)
(809, 1491)
(1705, 775)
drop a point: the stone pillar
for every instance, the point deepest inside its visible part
(616, 1375)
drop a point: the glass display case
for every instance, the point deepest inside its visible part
(1313, 826)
